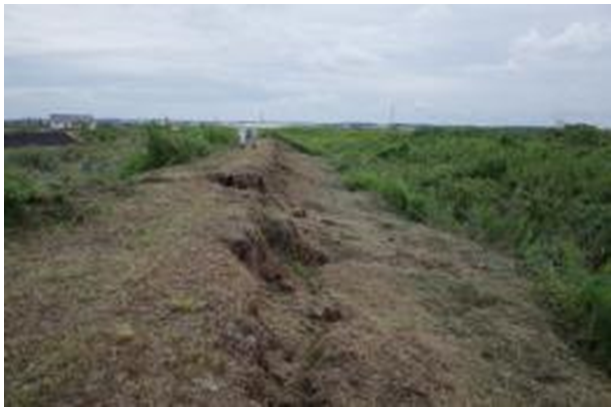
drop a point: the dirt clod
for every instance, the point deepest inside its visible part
(328, 314)
(243, 181)
(299, 213)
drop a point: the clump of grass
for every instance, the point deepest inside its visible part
(123, 333)
(183, 304)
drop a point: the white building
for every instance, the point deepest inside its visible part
(71, 121)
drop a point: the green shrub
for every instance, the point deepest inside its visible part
(28, 203)
(165, 147)
(217, 135)
(417, 207)
(394, 192)
(19, 192)
(359, 180)
(583, 304)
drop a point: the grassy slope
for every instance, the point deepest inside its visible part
(542, 193)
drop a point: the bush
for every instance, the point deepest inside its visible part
(584, 302)
(359, 180)
(28, 203)
(19, 192)
(165, 147)
(394, 193)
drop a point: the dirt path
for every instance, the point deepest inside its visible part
(254, 278)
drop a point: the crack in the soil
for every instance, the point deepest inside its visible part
(276, 250)
(240, 180)
(272, 248)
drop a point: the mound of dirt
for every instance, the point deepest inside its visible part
(253, 278)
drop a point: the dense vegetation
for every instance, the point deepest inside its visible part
(43, 182)
(543, 194)
(166, 147)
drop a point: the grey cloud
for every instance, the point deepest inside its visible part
(477, 64)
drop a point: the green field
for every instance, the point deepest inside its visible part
(540, 194)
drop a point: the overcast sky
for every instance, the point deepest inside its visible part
(445, 64)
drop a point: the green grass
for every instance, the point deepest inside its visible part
(543, 194)
(27, 202)
(42, 183)
(19, 192)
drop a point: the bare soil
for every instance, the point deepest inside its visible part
(255, 278)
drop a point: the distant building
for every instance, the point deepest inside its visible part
(71, 121)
